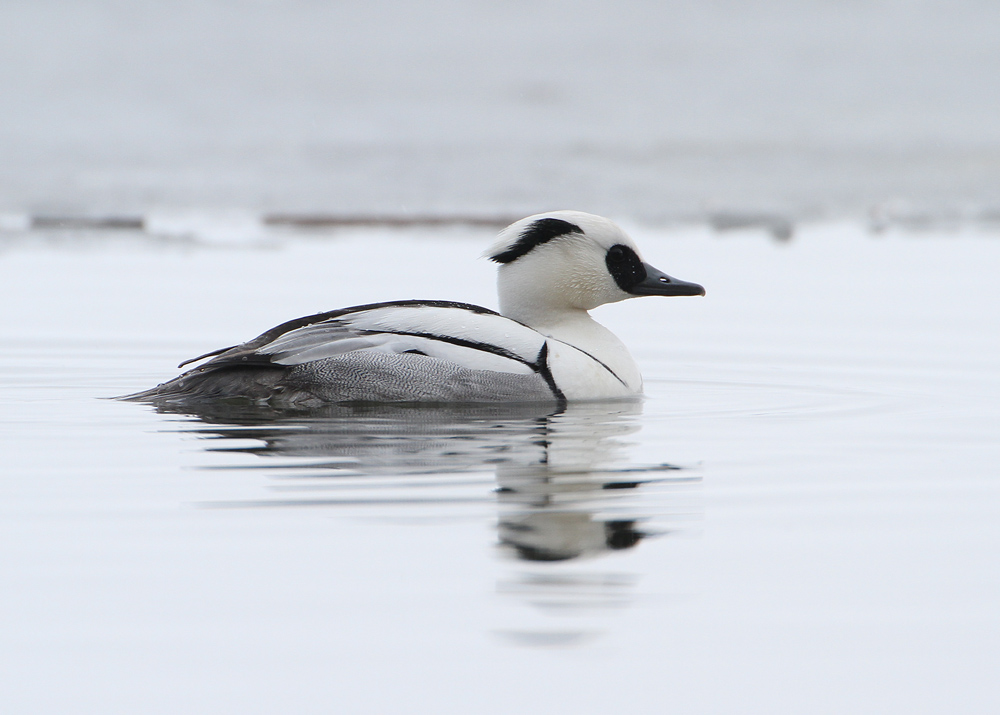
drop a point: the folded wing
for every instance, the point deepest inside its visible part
(465, 335)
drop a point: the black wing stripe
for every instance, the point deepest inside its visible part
(540, 365)
(461, 342)
(277, 331)
(246, 353)
(546, 373)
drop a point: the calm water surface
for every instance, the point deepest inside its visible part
(801, 516)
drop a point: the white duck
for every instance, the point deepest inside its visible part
(543, 345)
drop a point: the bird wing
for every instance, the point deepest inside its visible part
(462, 334)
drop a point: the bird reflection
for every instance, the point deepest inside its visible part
(562, 492)
(555, 507)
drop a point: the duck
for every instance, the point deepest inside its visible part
(542, 345)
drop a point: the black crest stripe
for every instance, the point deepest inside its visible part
(537, 233)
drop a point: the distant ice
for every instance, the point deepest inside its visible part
(653, 111)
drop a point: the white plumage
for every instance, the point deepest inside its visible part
(543, 345)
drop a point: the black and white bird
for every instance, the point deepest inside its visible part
(542, 345)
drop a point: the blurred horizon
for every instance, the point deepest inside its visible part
(654, 111)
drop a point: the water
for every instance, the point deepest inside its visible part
(801, 516)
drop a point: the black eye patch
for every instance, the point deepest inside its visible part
(625, 267)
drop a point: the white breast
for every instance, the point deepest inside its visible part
(580, 376)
